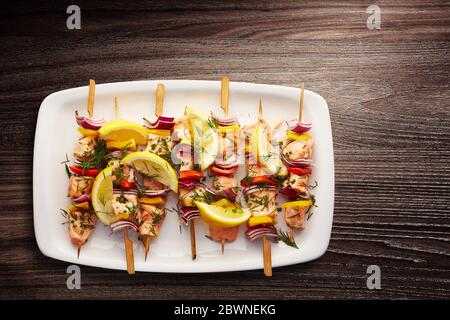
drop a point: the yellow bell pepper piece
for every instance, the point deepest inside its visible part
(121, 216)
(299, 203)
(129, 144)
(154, 201)
(159, 132)
(234, 127)
(87, 132)
(294, 136)
(75, 207)
(255, 221)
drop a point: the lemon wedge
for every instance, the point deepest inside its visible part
(222, 213)
(264, 152)
(129, 144)
(102, 192)
(122, 130)
(151, 165)
(204, 138)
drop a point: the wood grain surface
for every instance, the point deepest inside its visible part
(388, 93)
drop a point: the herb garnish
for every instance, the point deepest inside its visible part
(284, 237)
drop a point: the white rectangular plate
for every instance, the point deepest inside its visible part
(170, 252)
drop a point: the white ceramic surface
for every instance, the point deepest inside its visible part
(170, 252)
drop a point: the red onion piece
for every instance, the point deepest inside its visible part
(82, 198)
(163, 123)
(117, 154)
(187, 214)
(191, 184)
(299, 127)
(131, 192)
(225, 122)
(231, 162)
(88, 123)
(156, 193)
(302, 163)
(229, 193)
(251, 189)
(259, 231)
(188, 183)
(289, 192)
(122, 224)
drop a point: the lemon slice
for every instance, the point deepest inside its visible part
(151, 165)
(264, 152)
(102, 192)
(205, 140)
(123, 130)
(222, 214)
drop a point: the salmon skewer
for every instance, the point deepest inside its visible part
(188, 190)
(224, 183)
(80, 215)
(296, 150)
(260, 193)
(150, 214)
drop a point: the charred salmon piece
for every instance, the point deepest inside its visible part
(298, 150)
(223, 182)
(84, 147)
(226, 234)
(298, 183)
(81, 225)
(262, 202)
(187, 196)
(295, 217)
(79, 185)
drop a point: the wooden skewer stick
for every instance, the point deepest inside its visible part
(158, 111)
(267, 249)
(193, 245)
(159, 99)
(302, 93)
(116, 108)
(90, 110)
(224, 94)
(300, 112)
(129, 254)
(91, 96)
(146, 246)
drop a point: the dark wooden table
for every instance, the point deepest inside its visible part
(388, 93)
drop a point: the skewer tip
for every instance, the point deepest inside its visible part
(193, 244)
(78, 251)
(147, 246)
(260, 115)
(222, 246)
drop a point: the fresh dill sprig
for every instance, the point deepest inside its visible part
(284, 237)
(97, 159)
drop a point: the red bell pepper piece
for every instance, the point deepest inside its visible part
(84, 172)
(125, 184)
(190, 174)
(223, 172)
(300, 171)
